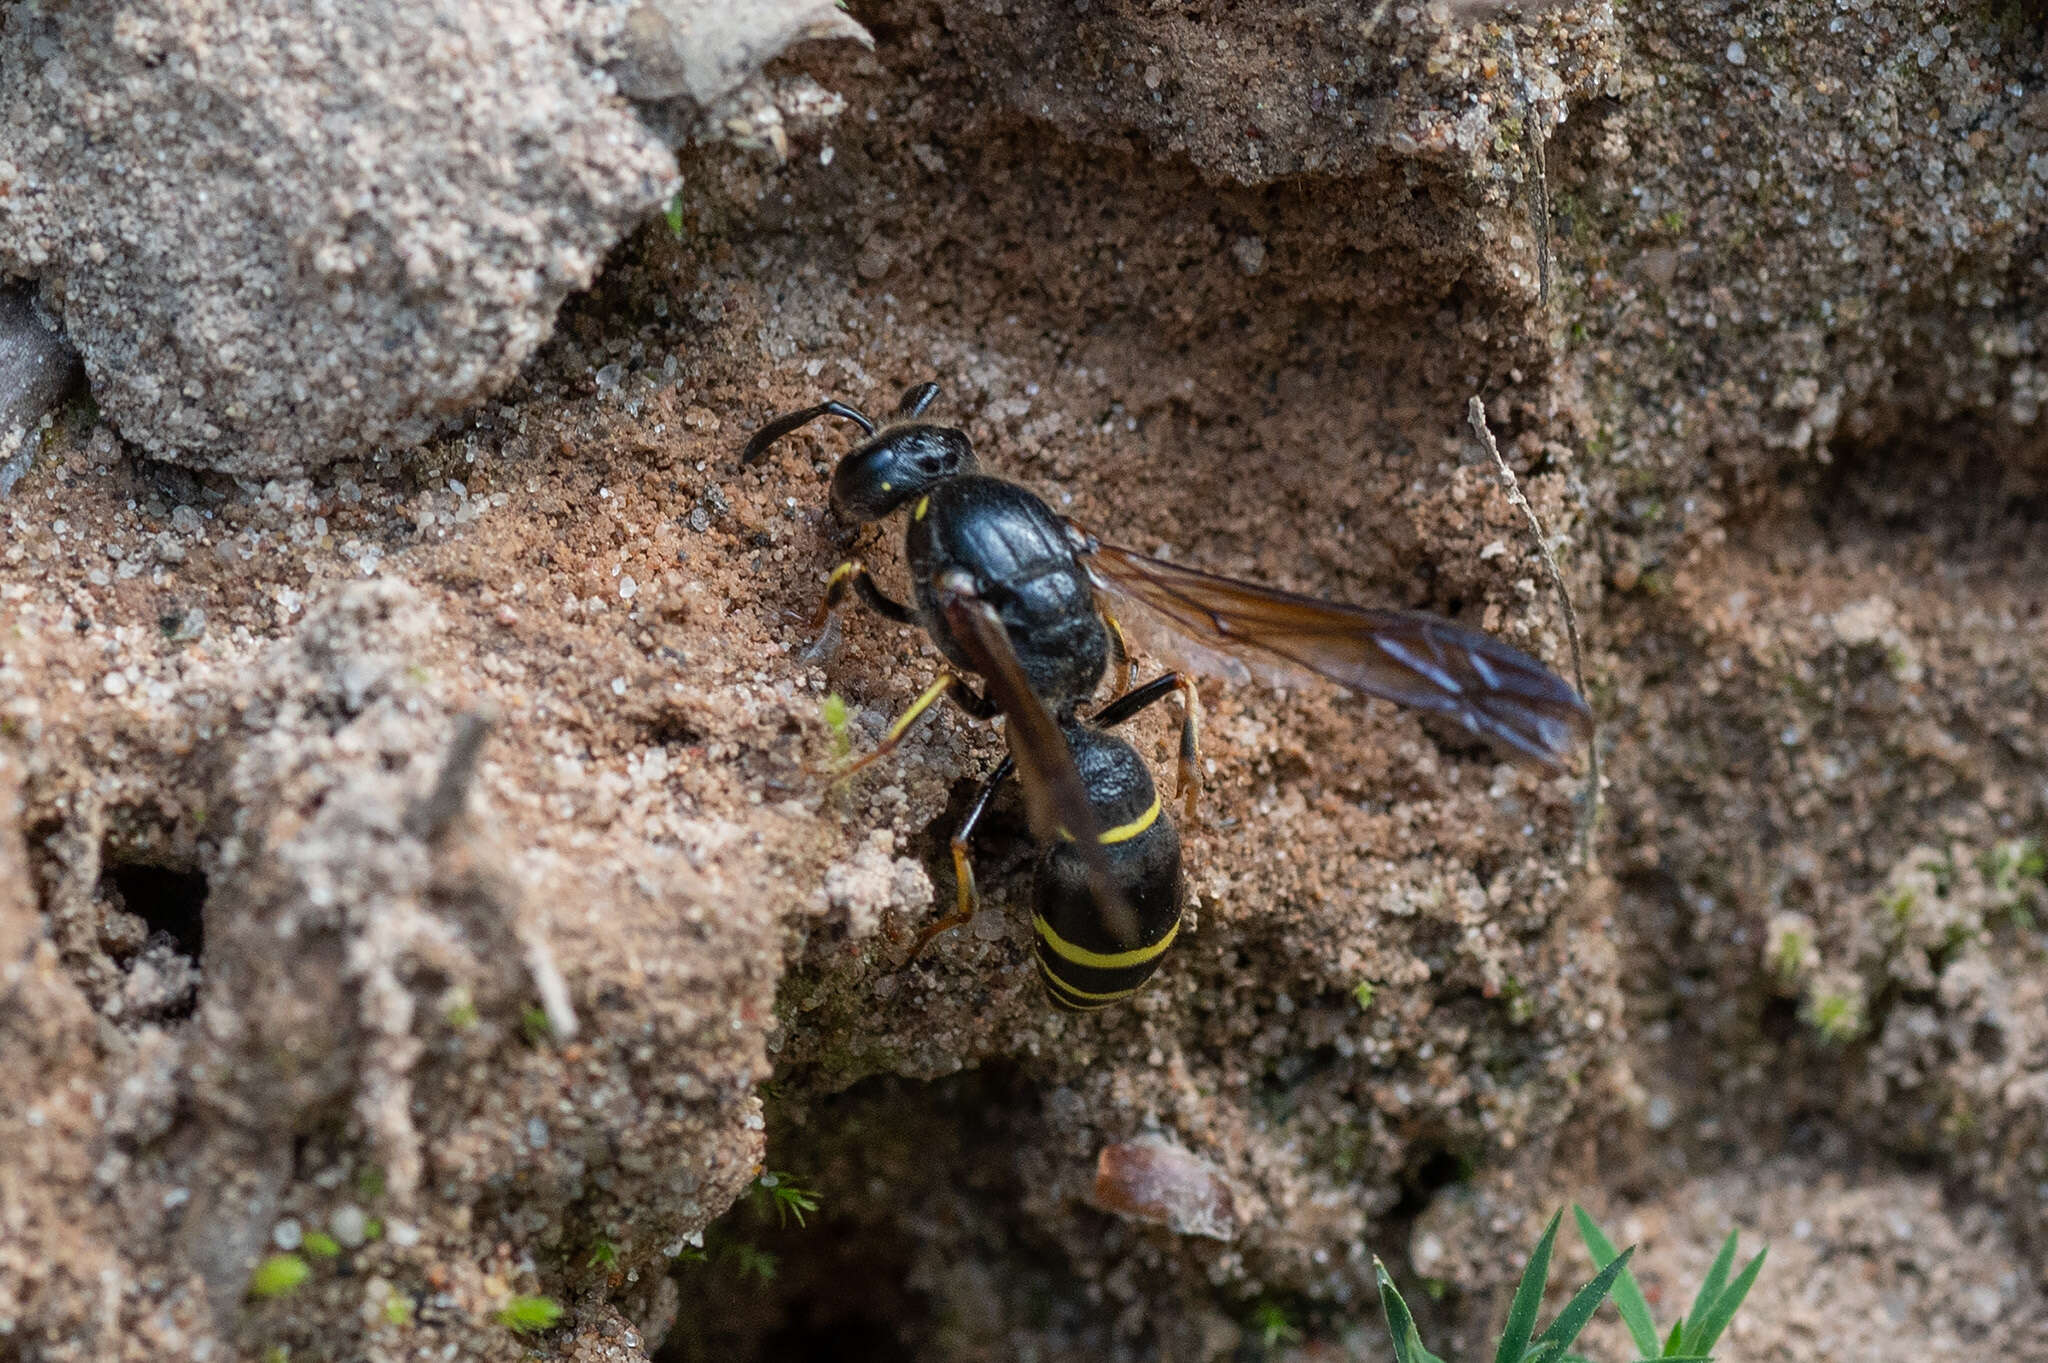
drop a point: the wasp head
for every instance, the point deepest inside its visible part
(899, 463)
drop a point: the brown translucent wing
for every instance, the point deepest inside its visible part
(1415, 659)
(1054, 794)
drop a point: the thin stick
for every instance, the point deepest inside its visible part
(1475, 412)
(1536, 145)
(430, 819)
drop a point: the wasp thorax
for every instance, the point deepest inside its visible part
(896, 465)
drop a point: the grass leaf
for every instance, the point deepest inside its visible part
(1702, 1332)
(1710, 1290)
(1400, 1325)
(1585, 1302)
(1514, 1340)
(1628, 1293)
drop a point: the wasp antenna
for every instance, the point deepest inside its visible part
(916, 398)
(790, 421)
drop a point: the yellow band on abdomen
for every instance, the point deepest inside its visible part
(1097, 960)
(1124, 832)
(1063, 987)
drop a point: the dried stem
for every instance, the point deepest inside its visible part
(1475, 412)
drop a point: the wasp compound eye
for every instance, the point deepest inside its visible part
(895, 466)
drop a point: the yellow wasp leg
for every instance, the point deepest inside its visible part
(1120, 653)
(1189, 770)
(902, 726)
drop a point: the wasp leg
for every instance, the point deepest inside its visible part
(853, 575)
(967, 900)
(903, 725)
(1188, 771)
(1120, 653)
(916, 398)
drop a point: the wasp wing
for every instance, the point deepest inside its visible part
(1409, 657)
(1054, 793)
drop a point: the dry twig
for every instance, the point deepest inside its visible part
(1475, 412)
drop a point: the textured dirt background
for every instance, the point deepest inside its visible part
(1222, 281)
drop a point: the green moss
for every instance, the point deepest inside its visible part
(788, 1197)
(530, 1315)
(278, 1276)
(749, 1261)
(460, 1012)
(1273, 1325)
(834, 711)
(1788, 957)
(1838, 1017)
(1901, 903)
(321, 1245)
(1364, 994)
(398, 1309)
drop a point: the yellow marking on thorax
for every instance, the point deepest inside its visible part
(1099, 960)
(1124, 832)
(924, 504)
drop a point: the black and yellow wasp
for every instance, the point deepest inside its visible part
(1014, 594)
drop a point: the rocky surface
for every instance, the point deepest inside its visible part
(1223, 286)
(279, 242)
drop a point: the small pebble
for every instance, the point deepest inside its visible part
(115, 684)
(288, 1234)
(350, 1226)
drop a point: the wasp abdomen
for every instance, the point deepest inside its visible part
(1082, 962)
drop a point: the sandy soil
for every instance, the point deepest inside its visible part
(256, 990)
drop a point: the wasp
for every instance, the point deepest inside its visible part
(1019, 596)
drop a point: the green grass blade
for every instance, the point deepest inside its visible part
(1585, 1302)
(1701, 1337)
(1628, 1293)
(1514, 1340)
(1400, 1325)
(1710, 1291)
(1674, 1340)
